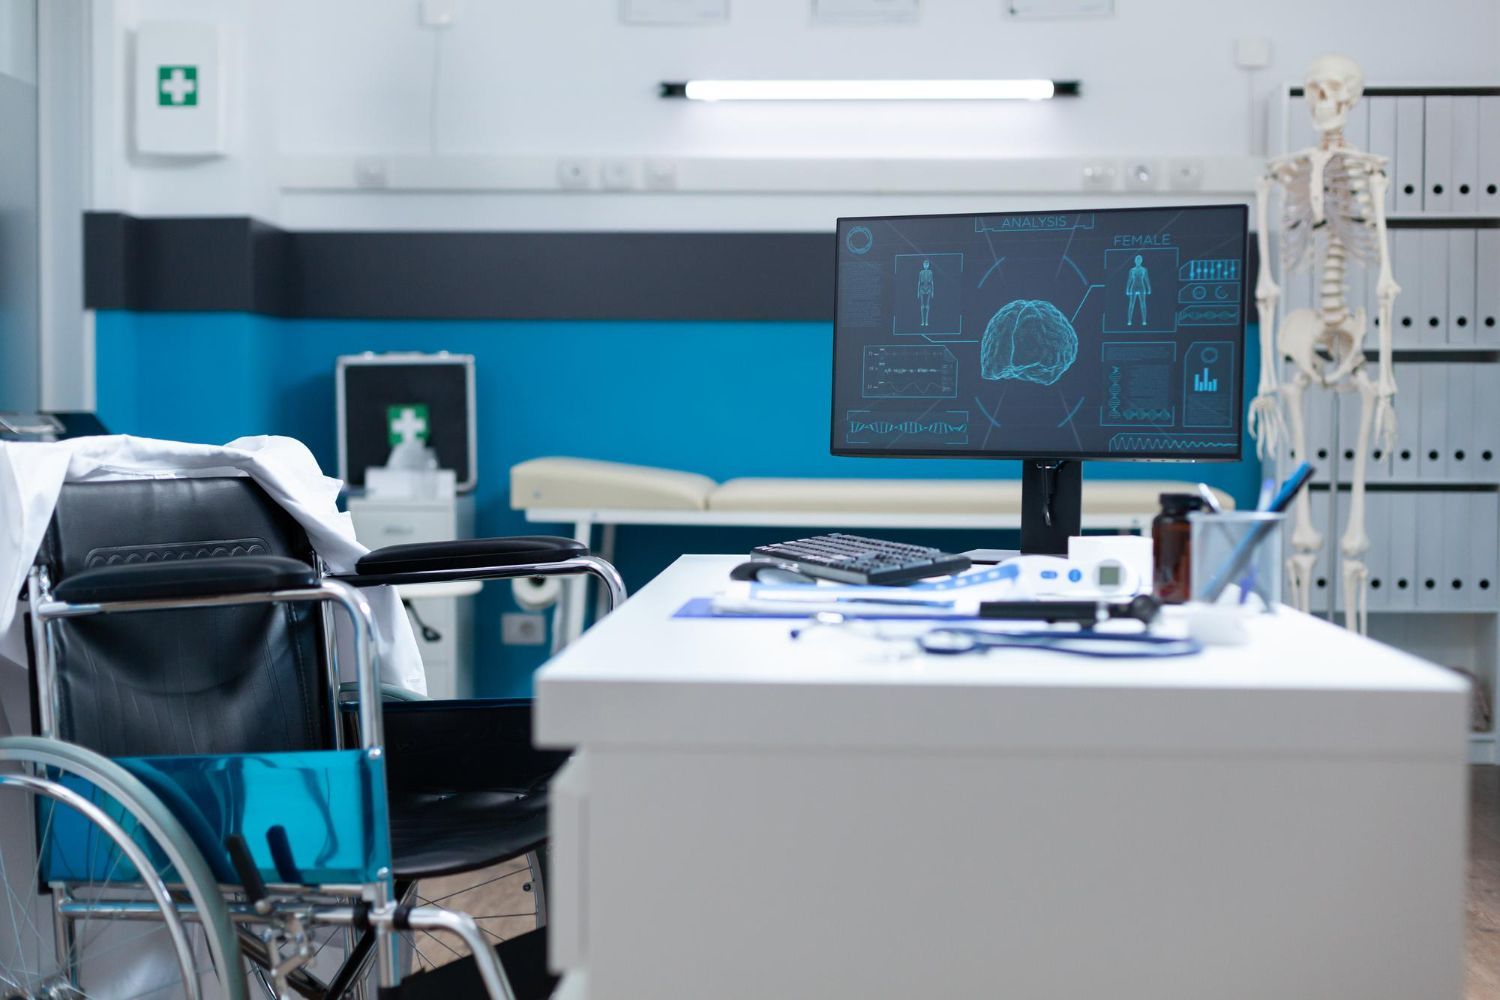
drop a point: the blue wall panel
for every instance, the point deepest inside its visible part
(723, 399)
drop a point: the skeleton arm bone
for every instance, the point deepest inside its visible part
(1386, 291)
(1265, 411)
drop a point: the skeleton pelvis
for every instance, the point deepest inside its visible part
(1326, 353)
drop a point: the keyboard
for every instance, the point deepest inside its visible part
(855, 559)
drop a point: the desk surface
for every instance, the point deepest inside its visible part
(642, 678)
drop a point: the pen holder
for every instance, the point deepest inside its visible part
(1237, 558)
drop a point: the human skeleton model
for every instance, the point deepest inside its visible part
(1333, 210)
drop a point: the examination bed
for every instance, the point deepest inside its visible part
(586, 492)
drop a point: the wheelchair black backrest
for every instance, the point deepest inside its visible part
(247, 679)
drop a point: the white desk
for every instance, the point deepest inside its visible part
(750, 817)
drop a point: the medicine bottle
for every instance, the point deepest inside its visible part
(1171, 547)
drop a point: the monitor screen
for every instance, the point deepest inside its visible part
(1113, 333)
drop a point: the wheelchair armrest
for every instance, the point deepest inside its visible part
(484, 559)
(190, 578)
(459, 746)
(498, 554)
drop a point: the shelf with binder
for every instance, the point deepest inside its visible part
(1442, 141)
(1433, 501)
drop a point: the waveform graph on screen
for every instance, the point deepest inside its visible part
(925, 372)
(907, 427)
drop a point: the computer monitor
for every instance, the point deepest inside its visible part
(1049, 337)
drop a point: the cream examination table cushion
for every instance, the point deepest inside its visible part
(586, 492)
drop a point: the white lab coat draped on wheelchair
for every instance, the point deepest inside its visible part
(32, 475)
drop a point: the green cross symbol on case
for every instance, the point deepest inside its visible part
(406, 422)
(177, 86)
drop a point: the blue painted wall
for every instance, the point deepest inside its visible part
(723, 399)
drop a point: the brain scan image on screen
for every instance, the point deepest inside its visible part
(1106, 334)
(1029, 340)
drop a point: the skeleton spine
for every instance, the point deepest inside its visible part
(1334, 306)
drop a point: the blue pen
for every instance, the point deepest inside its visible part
(1239, 560)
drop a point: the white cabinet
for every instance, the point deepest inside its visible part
(442, 613)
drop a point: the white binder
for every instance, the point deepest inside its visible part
(1462, 463)
(1377, 560)
(1409, 168)
(1461, 275)
(1437, 154)
(1487, 285)
(1486, 422)
(1455, 536)
(1401, 546)
(1433, 325)
(1404, 463)
(1431, 551)
(1465, 155)
(1433, 423)
(1484, 551)
(1406, 264)
(1383, 134)
(1488, 184)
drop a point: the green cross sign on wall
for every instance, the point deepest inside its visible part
(177, 86)
(406, 420)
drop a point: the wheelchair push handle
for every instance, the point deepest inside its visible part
(249, 874)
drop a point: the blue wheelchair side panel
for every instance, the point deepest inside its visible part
(323, 812)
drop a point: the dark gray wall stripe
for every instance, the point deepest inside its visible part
(238, 264)
(242, 265)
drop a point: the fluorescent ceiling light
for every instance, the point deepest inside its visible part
(870, 90)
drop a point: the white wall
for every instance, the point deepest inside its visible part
(329, 81)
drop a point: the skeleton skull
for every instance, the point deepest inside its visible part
(1334, 84)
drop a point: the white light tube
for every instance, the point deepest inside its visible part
(869, 90)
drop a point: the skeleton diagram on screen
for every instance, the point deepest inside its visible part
(1137, 287)
(925, 290)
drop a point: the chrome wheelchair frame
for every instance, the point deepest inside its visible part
(271, 919)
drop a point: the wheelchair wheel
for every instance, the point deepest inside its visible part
(106, 896)
(505, 900)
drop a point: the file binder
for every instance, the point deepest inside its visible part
(1409, 167)
(1432, 423)
(1461, 297)
(1465, 155)
(1437, 154)
(1401, 544)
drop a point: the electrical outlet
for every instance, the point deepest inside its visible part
(519, 629)
(661, 175)
(620, 175)
(1140, 175)
(1099, 175)
(371, 172)
(1185, 175)
(576, 175)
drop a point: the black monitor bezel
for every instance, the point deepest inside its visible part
(1217, 457)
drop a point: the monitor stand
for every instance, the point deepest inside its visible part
(1051, 505)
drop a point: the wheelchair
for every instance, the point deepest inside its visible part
(212, 812)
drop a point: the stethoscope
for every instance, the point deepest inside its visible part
(946, 640)
(954, 640)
